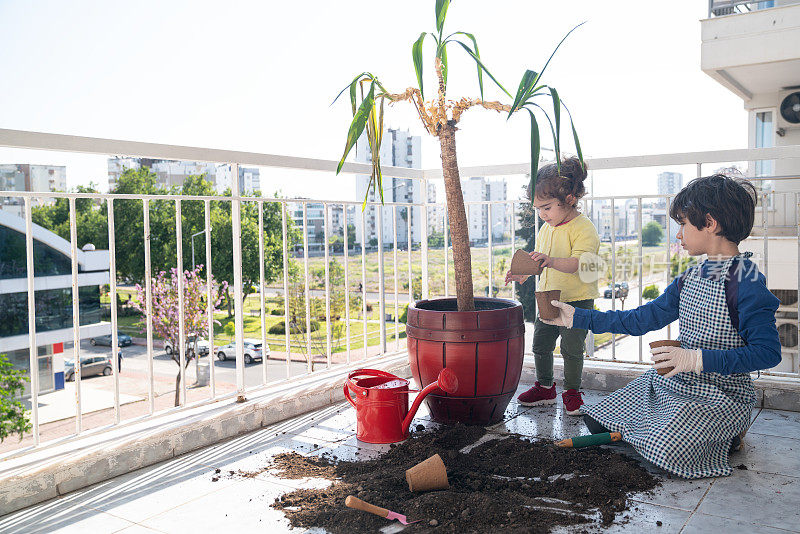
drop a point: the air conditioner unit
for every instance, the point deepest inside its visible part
(788, 109)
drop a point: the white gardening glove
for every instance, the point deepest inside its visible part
(565, 313)
(683, 360)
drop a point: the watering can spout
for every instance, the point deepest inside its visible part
(447, 382)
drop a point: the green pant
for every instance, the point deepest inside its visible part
(573, 344)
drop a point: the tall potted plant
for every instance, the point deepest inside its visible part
(481, 339)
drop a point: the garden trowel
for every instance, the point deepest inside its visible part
(588, 441)
(358, 504)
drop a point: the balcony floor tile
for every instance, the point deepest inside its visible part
(180, 495)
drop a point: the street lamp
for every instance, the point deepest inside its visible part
(193, 236)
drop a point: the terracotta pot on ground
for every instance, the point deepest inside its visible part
(664, 343)
(428, 475)
(484, 348)
(543, 298)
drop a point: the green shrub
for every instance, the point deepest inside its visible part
(230, 328)
(14, 419)
(276, 311)
(651, 292)
(280, 328)
(404, 315)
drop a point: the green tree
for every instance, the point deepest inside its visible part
(90, 217)
(436, 239)
(13, 419)
(652, 234)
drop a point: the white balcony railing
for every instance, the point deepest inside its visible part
(388, 292)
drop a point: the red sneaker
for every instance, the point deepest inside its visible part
(572, 401)
(538, 395)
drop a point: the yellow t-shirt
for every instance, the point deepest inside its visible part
(576, 239)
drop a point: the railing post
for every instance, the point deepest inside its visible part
(76, 321)
(329, 323)
(210, 300)
(424, 239)
(309, 356)
(641, 260)
(148, 306)
(181, 301)
(112, 272)
(613, 274)
(381, 286)
(284, 231)
(33, 352)
(238, 305)
(261, 287)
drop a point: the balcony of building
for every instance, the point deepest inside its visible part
(132, 461)
(751, 48)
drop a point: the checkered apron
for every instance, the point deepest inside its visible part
(685, 424)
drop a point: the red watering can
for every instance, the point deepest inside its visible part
(381, 402)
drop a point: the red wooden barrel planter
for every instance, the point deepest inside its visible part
(485, 348)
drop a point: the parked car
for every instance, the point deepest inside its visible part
(90, 365)
(620, 291)
(252, 351)
(202, 347)
(123, 340)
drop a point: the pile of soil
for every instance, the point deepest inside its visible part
(506, 483)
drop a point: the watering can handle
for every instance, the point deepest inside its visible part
(347, 395)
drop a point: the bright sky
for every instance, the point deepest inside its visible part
(259, 76)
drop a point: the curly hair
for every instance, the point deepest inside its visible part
(730, 201)
(550, 183)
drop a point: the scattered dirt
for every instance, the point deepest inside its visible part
(502, 483)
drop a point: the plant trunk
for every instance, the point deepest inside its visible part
(459, 229)
(228, 300)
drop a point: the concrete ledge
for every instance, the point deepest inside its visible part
(53, 471)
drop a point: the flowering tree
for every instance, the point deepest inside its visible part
(195, 311)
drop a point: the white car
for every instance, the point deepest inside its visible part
(252, 351)
(202, 347)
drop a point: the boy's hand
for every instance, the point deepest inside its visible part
(683, 360)
(546, 260)
(565, 313)
(519, 278)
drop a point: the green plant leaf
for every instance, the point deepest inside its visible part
(535, 151)
(416, 55)
(441, 14)
(558, 46)
(357, 125)
(557, 119)
(442, 54)
(574, 135)
(552, 129)
(525, 84)
(482, 66)
(477, 54)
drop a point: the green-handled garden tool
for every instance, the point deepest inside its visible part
(588, 441)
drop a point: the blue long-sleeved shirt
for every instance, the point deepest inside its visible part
(750, 304)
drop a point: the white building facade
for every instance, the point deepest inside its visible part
(753, 50)
(27, 177)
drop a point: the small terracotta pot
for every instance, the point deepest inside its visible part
(428, 475)
(664, 343)
(521, 263)
(543, 298)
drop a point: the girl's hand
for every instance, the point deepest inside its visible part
(546, 260)
(519, 278)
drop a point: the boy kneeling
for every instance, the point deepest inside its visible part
(688, 420)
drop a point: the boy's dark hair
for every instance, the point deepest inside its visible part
(731, 202)
(552, 184)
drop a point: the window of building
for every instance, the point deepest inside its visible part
(765, 133)
(47, 261)
(53, 310)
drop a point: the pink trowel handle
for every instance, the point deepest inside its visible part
(358, 504)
